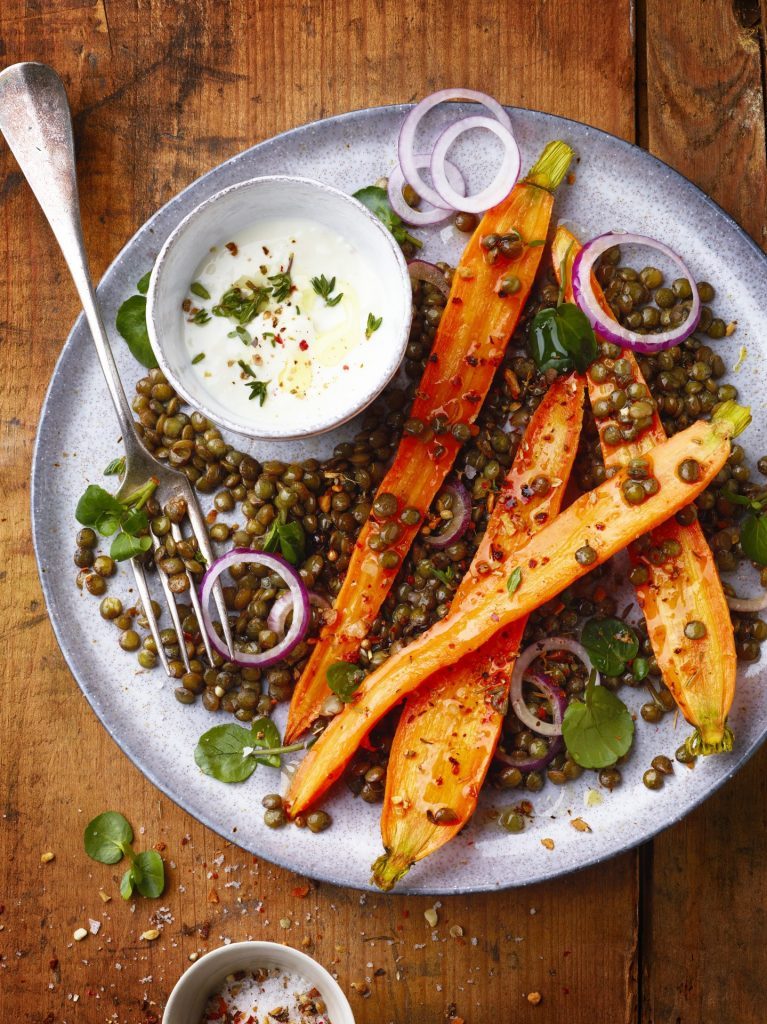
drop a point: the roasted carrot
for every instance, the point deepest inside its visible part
(699, 673)
(449, 729)
(484, 305)
(594, 528)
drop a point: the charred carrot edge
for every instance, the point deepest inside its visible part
(699, 673)
(476, 325)
(450, 726)
(594, 528)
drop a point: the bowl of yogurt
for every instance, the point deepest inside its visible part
(280, 307)
(257, 981)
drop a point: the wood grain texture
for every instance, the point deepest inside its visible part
(161, 92)
(704, 928)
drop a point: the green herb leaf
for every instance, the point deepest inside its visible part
(143, 286)
(377, 201)
(373, 324)
(225, 753)
(126, 884)
(107, 837)
(446, 576)
(640, 668)
(598, 731)
(149, 874)
(512, 583)
(610, 644)
(135, 521)
(241, 306)
(131, 324)
(258, 390)
(324, 288)
(246, 368)
(264, 736)
(198, 358)
(287, 538)
(753, 537)
(94, 503)
(200, 317)
(282, 284)
(344, 679)
(562, 339)
(116, 467)
(108, 523)
(198, 289)
(125, 546)
(242, 333)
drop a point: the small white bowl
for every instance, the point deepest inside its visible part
(213, 223)
(193, 989)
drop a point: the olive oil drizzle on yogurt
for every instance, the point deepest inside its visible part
(293, 317)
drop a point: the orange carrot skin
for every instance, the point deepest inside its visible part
(600, 521)
(684, 589)
(469, 346)
(450, 726)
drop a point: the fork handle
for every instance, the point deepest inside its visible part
(37, 125)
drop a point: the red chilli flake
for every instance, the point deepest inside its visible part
(303, 345)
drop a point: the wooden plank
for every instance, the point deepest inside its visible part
(160, 95)
(704, 932)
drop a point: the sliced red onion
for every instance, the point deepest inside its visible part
(607, 328)
(502, 183)
(558, 701)
(520, 673)
(748, 604)
(459, 522)
(421, 218)
(283, 606)
(299, 597)
(420, 270)
(405, 144)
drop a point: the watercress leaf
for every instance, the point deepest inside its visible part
(149, 874)
(377, 201)
(107, 524)
(598, 731)
(116, 467)
(640, 668)
(610, 643)
(753, 537)
(135, 521)
(512, 583)
(344, 679)
(126, 885)
(226, 753)
(131, 324)
(126, 546)
(292, 542)
(143, 285)
(264, 735)
(107, 837)
(94, 503)
(271, 541)
(562, 339)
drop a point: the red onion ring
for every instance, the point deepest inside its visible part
(558, 703)
(420, 270)
(747, 604)
(459, 522)
(608, 329)
(421, 218)
(405, 143)
(502, 183)
(283, 606)
(553, 643)
(299, 596)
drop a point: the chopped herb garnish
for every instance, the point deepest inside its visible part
(373, 324)
(198, 358)
(512, 583)
(281, 283)
(246, 368)
(536, 242)
(242, 334)
(199, 290)
(271, 336)
(240, 306)
(446, 576)
(323, 287)
(116, 467)
(200, 316)
(258, 390)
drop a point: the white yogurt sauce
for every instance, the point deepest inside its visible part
(299, 351)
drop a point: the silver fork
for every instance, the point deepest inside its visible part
(37, 124)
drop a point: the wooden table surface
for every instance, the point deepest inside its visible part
(674, 933)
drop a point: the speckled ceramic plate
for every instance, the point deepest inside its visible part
(617, 186)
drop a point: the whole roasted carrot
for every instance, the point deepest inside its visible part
(449, 729)
(686, 588)
(593, 529)
(488, 293)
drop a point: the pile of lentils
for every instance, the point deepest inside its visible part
(331, 499)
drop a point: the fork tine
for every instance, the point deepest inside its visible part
(146, 602)
(203, 543)
(178, 535)
(170, 600)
